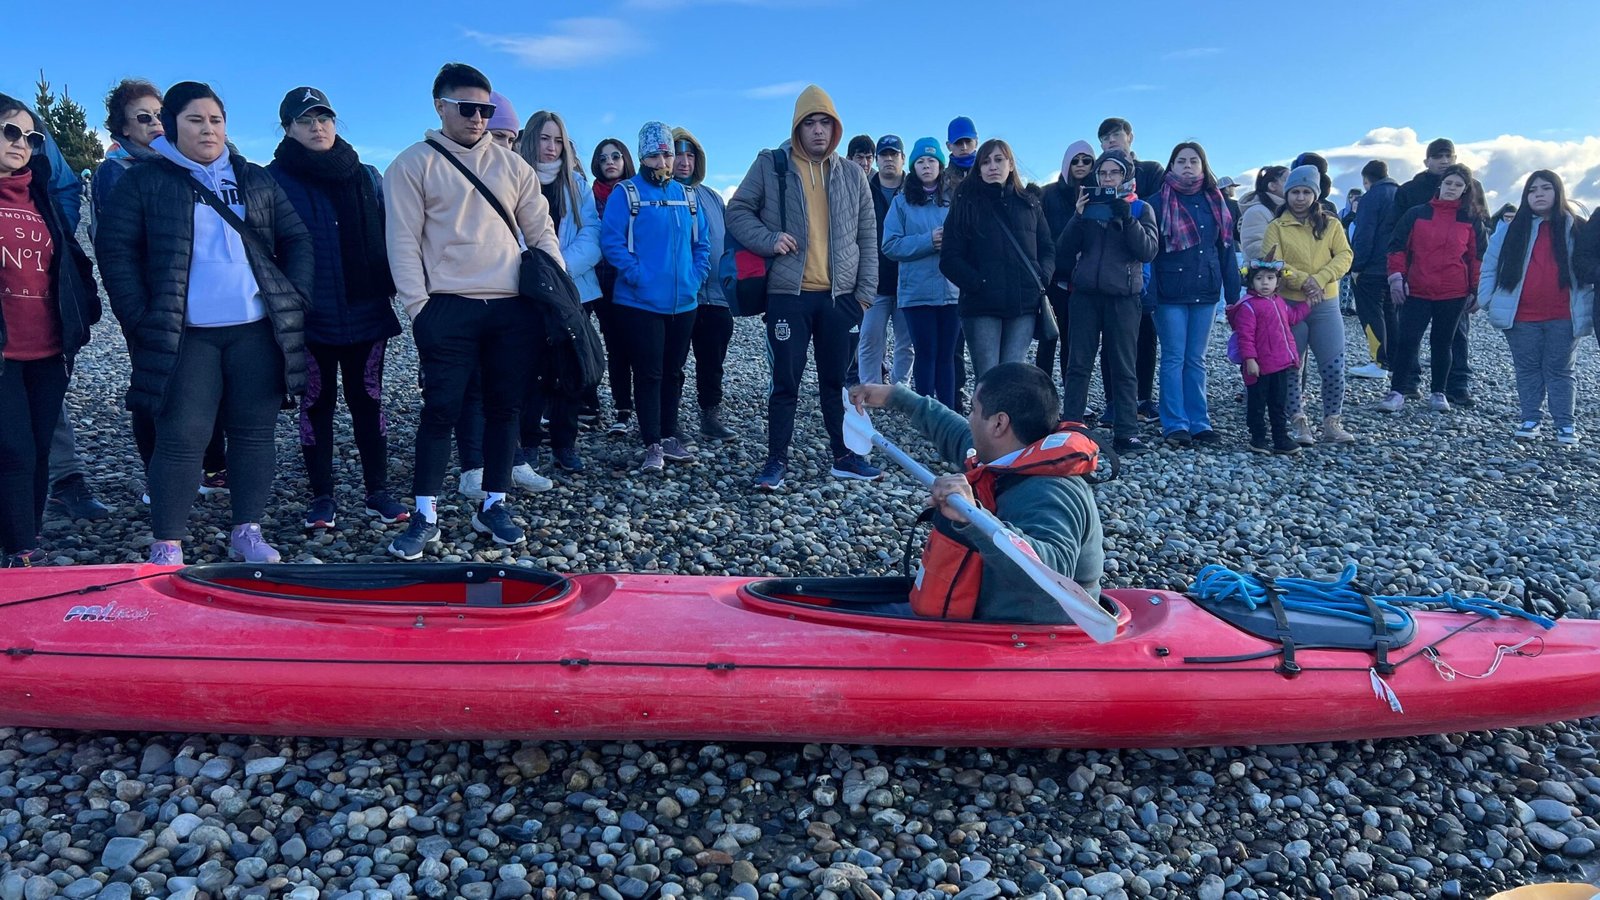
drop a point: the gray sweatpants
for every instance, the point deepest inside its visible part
(64, 459)
(1321, 333)
(1541, 354)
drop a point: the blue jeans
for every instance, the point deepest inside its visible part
(1182, 330)
(874, 339)
(992, 340)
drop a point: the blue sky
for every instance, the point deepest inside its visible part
(1255, 83)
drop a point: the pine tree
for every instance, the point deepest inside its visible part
(68, 123)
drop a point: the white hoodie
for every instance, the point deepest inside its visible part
(222, 287)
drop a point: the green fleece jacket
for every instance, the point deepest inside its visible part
(1056, 515)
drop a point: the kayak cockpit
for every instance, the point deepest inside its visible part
(883, 604)
(432, 588)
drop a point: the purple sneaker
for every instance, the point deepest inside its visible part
(245, 544)
(165, 553)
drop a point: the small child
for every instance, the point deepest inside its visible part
(1267, 355)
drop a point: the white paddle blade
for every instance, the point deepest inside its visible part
(1076, 602)
(858, 430)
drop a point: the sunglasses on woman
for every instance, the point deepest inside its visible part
(13, 133)
(468, 108)
(145, 118)
(613, 156)
(1082, 160)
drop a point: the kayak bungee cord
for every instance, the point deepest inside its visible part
(86, 589)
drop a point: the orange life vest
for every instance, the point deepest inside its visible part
(947, 585)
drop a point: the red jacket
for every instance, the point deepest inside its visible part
(1438, 247)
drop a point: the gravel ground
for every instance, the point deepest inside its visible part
(1424, 502)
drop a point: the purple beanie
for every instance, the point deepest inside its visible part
(505, 117)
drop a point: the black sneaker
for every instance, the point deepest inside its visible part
(72, 498)
(1262, 446)
(26, 559)
(771, 477)
(567, 459)
(496, 522)
(1207, 438)
(851, 465)
(320, 514)
(1149, 412)
(1289, 447)
(1179, 438)
(386, 509)
(1129, 446)
(1462, 399)
(415, 539)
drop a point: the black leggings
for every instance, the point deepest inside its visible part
(144, 439)
(361, 366)
(713, 329)
(658, 347)
(236, 371)
(30, 405)
(618, 367)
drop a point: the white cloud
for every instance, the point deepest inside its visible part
(571, 43)
(774, 91)
(1501, 163)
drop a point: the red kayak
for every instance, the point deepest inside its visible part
(480, 651)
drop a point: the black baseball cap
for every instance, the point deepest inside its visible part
(300, 101)
(891, 143)
(1441, 146)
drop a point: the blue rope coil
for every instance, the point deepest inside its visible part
(1340, 598)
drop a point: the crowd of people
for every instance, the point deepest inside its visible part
(238, 287)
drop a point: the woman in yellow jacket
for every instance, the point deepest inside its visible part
(1315, 254)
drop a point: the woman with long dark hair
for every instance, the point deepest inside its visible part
(214, 313)
(997, 250)
(1433, 270)
(1194, 268)
(1259, 207)
(1535, 294)
(611, 164)
(548, 150)
(351, 317)
(47, 303)
(1315, 253)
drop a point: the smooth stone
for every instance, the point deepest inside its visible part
(122, 851)
(266, 765)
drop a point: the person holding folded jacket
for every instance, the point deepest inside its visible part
(1433, 270)
(214, 313)
(48, 302)
(913, 233)
(662, 256)
(1105, 246)
(1539, 290)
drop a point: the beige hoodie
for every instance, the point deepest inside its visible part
(814, 181)
(444, 237)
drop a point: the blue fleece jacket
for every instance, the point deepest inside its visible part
(222, 288)
(665, 269)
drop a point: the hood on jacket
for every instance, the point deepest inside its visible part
(815, 100)
(1074, 149)
(682, 134)
(210, 173)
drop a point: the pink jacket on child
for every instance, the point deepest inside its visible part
(1263, 325)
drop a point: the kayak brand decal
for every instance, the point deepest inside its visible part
(108, 612)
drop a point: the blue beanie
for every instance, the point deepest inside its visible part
(926, 147)
(654, 137)
(961, 127)
(1304, 176)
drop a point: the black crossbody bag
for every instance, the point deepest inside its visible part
(1045, 327)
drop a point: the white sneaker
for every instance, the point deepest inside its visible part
(1527, 431)
(472, 484)
(1370, 370)
(526, 478)
(1392, 403)
(1439, 403)
(1567, 436)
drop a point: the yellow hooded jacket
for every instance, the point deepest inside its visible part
(814, 181)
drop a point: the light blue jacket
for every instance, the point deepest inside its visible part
(710, 202)
(665, 269)
(908, 239)
(1502, 303)
(580, 243)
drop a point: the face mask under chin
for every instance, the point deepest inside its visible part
(657, 177)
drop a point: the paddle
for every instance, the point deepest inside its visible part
(1080, 607)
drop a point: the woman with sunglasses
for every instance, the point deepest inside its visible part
(545, 146)
(351, 318)
(133, 119)
(611, 165)
(1060, 201)
(214, 313)
(48, 301)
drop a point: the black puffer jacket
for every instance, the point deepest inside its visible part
(1107, 253)
(71, 274)
(144, 244)
(979, 259)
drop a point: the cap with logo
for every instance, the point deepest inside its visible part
(891, 143)
(300, 101)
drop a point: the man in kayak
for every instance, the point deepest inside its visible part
(1027, 471)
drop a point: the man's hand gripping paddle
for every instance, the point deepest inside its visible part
(1085, 612)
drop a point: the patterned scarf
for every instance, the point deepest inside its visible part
(1178, 230)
